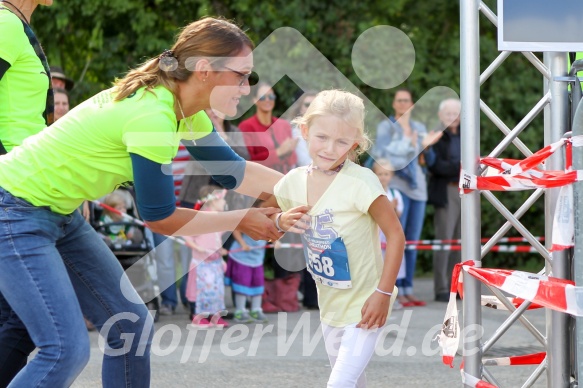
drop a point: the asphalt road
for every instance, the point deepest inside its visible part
(289, 352)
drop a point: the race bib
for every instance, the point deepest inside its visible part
(329, 266)
(325, 252)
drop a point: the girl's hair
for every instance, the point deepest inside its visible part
(384, 163)
(346, 106)
(215, 39)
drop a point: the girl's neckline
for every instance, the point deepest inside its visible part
(331, 181)
(333, 171)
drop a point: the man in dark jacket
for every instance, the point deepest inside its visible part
(444, 195)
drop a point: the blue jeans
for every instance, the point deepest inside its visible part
(412, 223)
(55, 268)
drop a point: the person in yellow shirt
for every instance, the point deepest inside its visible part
(347, 205)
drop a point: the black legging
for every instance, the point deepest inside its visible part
(15, 344)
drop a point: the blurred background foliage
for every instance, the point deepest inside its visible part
(96, 41)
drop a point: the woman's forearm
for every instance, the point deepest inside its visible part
(258, 181)
(187, 222)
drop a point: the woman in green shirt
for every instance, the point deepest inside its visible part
(55, 268)
(26, 108)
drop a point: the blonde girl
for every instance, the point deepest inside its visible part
(347, 206)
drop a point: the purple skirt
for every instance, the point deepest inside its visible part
(244, 279)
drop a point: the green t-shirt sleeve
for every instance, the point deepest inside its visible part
(11, 26)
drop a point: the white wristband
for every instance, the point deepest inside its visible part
(383, 292)
(280, 230)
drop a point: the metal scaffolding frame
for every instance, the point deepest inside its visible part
(554, 103)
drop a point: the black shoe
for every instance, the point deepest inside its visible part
(442, 297)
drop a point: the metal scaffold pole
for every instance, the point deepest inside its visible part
(558, 373)
(471, 221)
(555, 102)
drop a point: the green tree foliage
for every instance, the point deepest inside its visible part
(98, 40)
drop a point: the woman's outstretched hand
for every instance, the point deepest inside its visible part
(257, 224)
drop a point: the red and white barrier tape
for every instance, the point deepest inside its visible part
(474, 382)
(496, 248)
(554, 293)
(459, 241)
(493, 302)
(546, 180)
(564, 220)
(422, 247)
(524, 174)
(449, 336)
(525, 359)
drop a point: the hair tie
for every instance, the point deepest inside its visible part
(168, 62)
(167, 53)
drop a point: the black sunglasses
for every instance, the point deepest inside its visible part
(244, 76)
(270, 96)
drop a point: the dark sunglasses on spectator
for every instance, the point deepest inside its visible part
(270, 97)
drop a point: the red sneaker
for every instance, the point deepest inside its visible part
(201, 322)
(414, 301)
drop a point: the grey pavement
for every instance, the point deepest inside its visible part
(288, 352)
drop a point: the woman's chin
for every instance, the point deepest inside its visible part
(226, 111)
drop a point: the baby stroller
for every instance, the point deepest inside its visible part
(129, 242)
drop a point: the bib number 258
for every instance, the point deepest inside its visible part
(323, 265)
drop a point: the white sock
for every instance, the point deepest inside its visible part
(240, 301)
(256, 303)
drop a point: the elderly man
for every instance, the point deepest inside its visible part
(444, 195)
